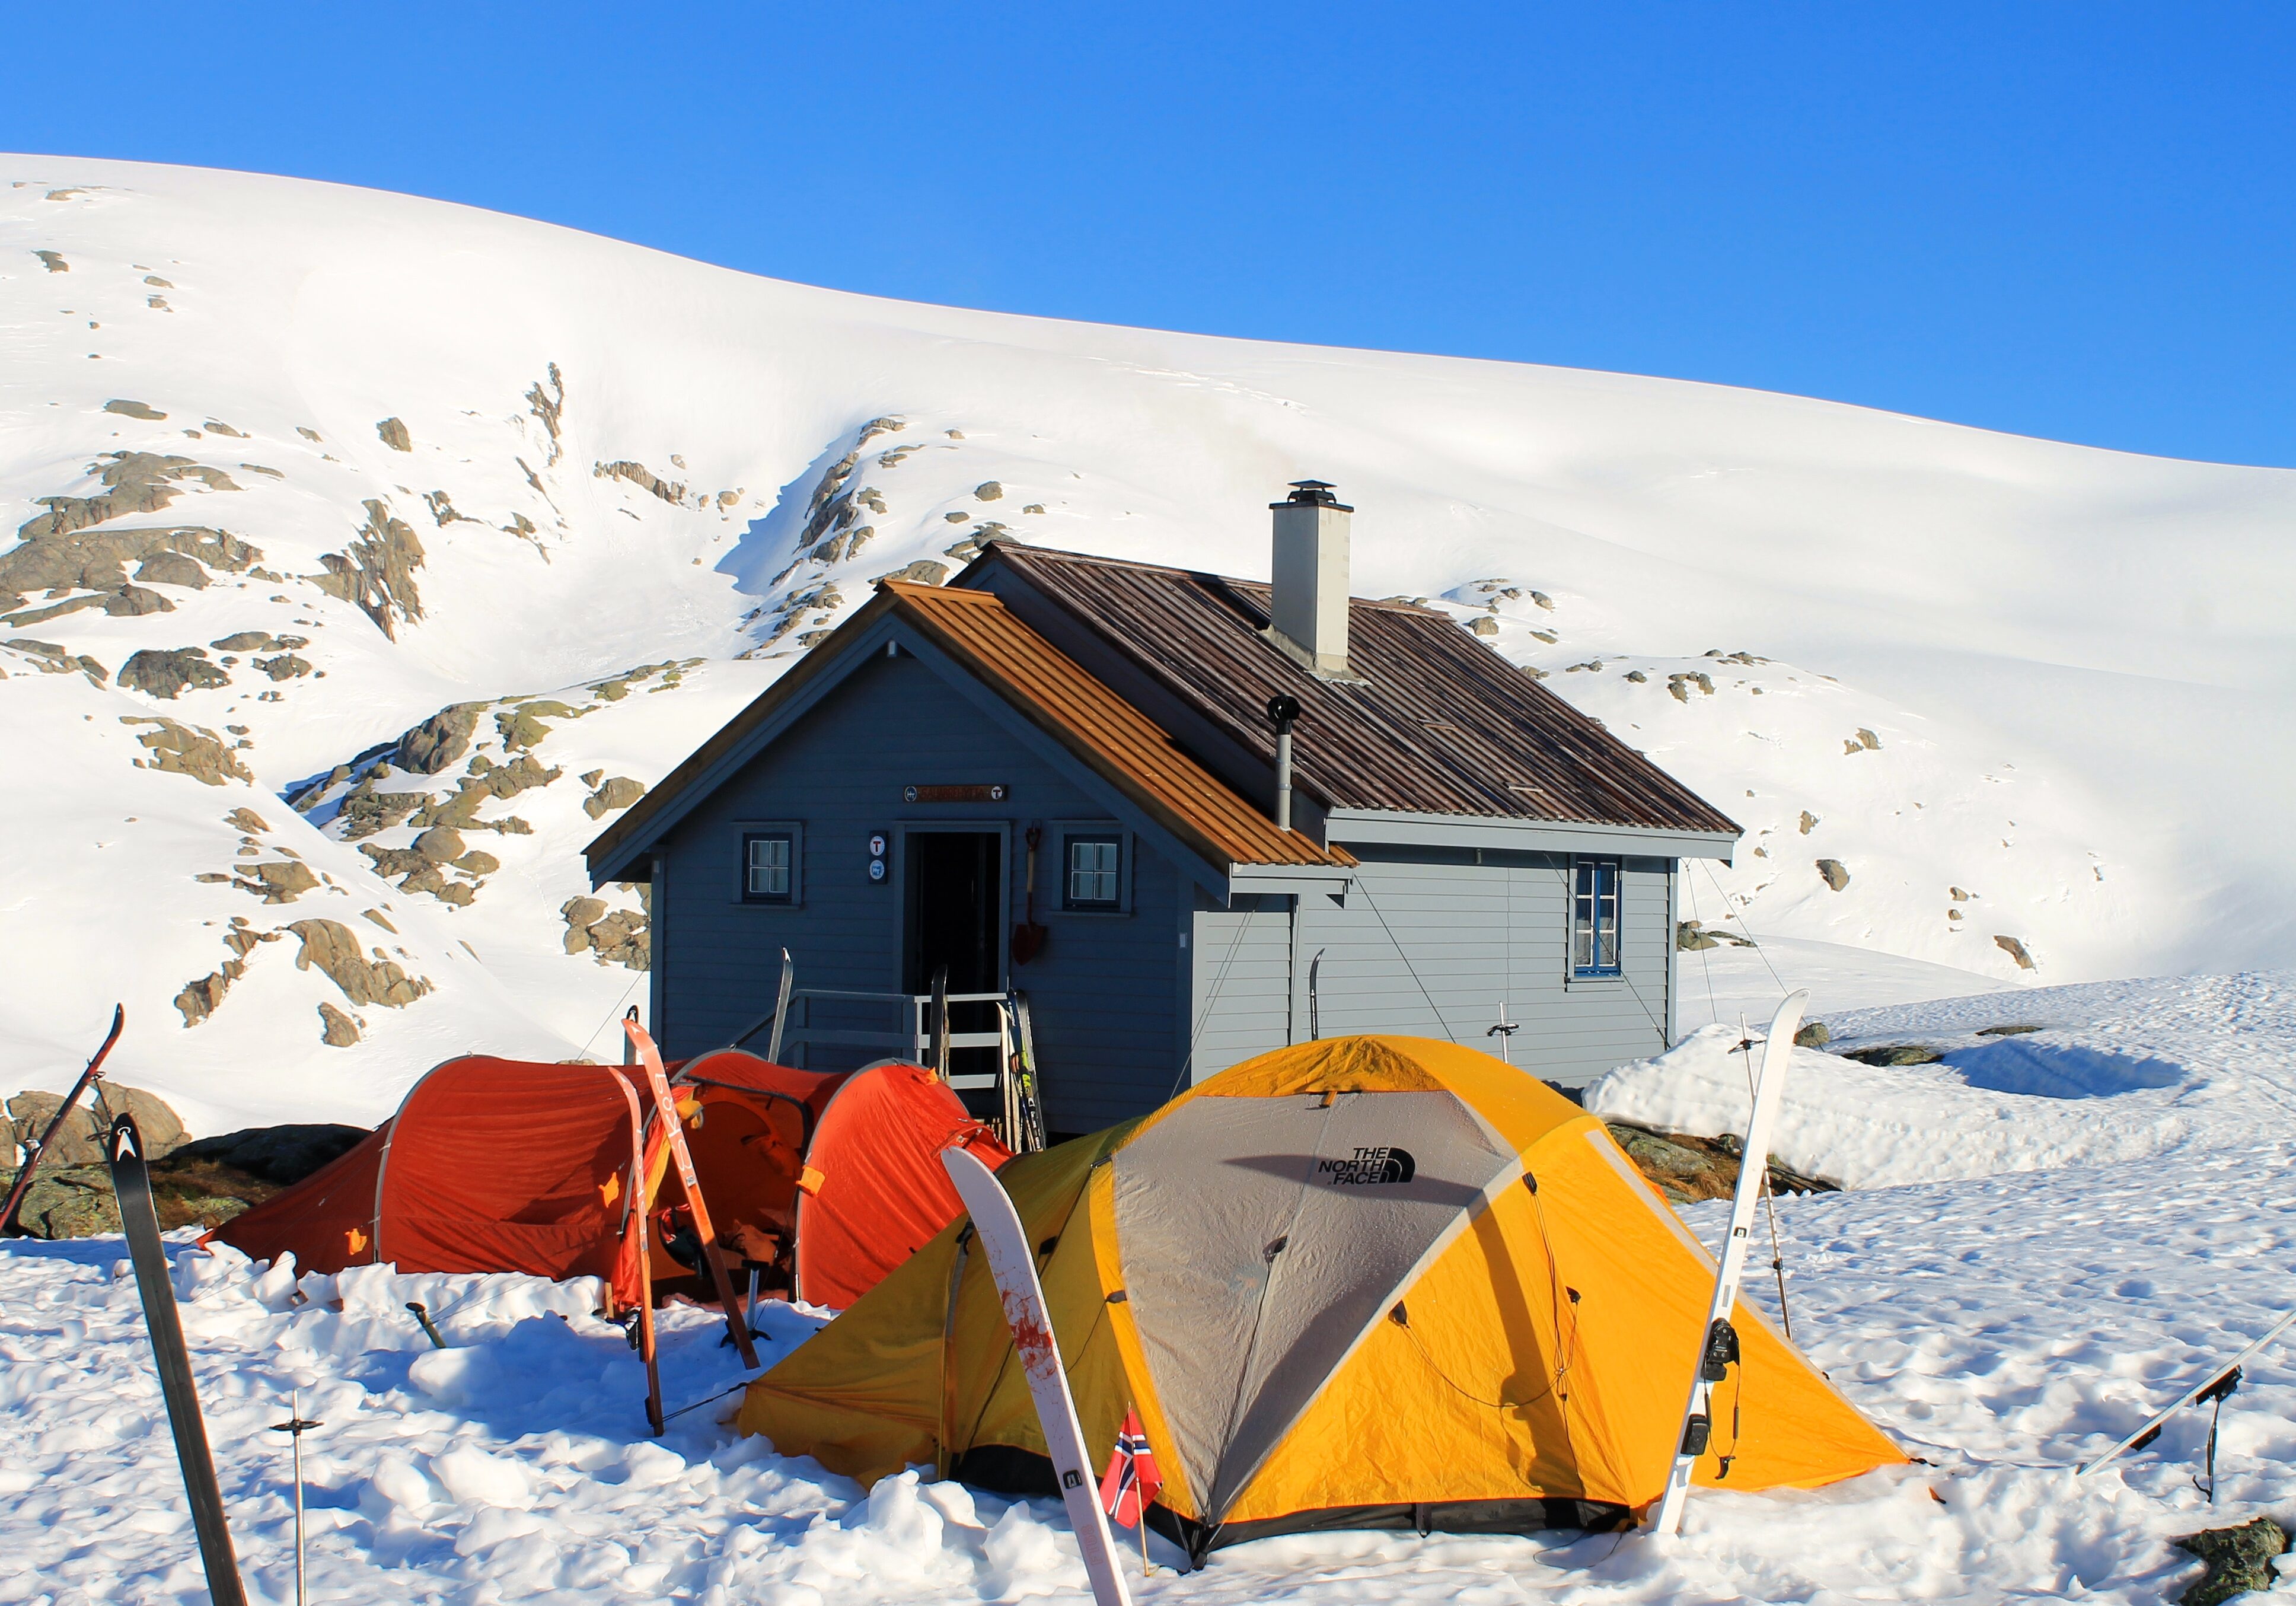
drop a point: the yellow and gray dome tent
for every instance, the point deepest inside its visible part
(1360, 1282)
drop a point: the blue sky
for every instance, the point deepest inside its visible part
(2075, 221)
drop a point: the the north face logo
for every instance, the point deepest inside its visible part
(1369, 1168)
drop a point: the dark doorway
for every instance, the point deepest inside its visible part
(955, 919)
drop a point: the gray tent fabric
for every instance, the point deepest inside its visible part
(1262, 1238)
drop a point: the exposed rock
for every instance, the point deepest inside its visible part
(187, 750)
(520, 774)
(1486, 625)
(438, 741)
(546, 405)
(171, 568)
(2020, 1030)
(281, 881)
(1639, 677)
(245, 641)
(478, 862)
(337, 1029)
(133, 601)
(245, 819)
(620, 792)
(441, 844)
(214, 427)
(1816, 1034)
(442, 510)
(97, 560)
(988, 491)
(2016, 951)
(164, 673)
(334, 948)
(1895, 1054)
(520, 729)
(591, 777)
(285, 667)
(282, 1155)
(185, 1192)
(957, 518)
(134, 482)
(1868, 739)
(2239, 1560)
(457, 893)
(365, 811)
(53, 261)
(1034, 507)
(1690, 937)
(133, 409)
(394, 435)
(1836, 876)
(644, 477)
(924, 572)
(1808, 821)
(202, 998)
(377, 574)
(580, 913)
(1686, 1170)
(79, 1142)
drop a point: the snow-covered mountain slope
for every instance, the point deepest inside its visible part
(296, 467)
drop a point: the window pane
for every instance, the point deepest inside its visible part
(1092, 872)
(769, 867)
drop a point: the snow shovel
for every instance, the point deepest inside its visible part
(1029, 935)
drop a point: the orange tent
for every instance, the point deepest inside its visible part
(502, 1165)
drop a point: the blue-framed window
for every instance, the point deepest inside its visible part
(1595, 917)
(768, 866)
(1092, 872)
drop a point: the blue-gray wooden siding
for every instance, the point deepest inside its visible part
(1105, 993)
(1432, 948)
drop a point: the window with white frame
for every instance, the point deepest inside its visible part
(1095, 863)
(769, 866)
(1595, 917)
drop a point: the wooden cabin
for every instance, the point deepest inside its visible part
(1449, 839)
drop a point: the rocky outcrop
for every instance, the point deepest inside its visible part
(1808, 821)
(377, 573)
(1835, 873)
(394, 435)
(134, 482)
(279, 881)
(167, 672)
(439, 741)
(79, 1142)
(97, 561)
(619, 938)
(1686, 1170)
(334, 949)
(2239, 1560)
(337, 1029)
(546, 405)
(620, 792)
(2016, 949)
(187, 750)
(644, 478)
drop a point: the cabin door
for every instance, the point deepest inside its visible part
(956, 919)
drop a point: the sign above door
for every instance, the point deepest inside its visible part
(992, 793)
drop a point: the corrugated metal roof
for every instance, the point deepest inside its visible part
(1441, 724)
(1118, 741)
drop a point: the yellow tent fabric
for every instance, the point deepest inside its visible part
(1360, 1282)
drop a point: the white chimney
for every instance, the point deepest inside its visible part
(1308, 591)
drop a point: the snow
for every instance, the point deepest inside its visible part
(2006, 1319)
(2073, 666)
(2092, 1074)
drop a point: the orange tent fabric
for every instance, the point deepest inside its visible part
(876, 1192)
(499, 1164)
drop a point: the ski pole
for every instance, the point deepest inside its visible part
(295, 1426)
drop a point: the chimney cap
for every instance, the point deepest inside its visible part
(1312, 493)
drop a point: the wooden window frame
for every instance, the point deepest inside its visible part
(791, 832)
(1061, 834)
(1592, 866)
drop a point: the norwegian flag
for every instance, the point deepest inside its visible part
(1132, 1481)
